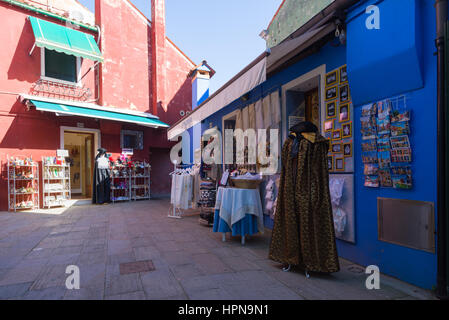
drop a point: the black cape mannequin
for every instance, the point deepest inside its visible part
(102, 179)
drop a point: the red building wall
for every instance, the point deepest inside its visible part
(125, 79)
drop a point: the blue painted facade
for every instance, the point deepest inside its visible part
(397, 59)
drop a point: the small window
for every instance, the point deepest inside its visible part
(132, 139)
(60, 66)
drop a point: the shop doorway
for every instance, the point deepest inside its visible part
(302, 100)
(81, 146)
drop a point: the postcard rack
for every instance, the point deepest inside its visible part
(23, 184)
(55, 182)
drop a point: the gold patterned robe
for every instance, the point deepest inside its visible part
(303, 232)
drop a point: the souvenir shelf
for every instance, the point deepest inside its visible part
(140, 181)
(120, 183)
(55, 182)
(23, 184)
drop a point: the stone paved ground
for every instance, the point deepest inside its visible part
(191, 262)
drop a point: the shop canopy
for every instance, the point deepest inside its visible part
(147, 121)
(246, 80)
(65, 40)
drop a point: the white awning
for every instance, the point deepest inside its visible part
(228, 93)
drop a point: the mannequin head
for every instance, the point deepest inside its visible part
(101, 152)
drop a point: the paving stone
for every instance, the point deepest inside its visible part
(122, 284)
(139, 295)
(92, 274)
(142, 242)
(14, 290)
(51, 276)
(22, 274)
(160, 284)
(85, 293)
(72, 242)
(144, 253)
(64, 259)
(210, 264)
(119, 246)
(186, 271)
(53, 293)
(87, 258)
(166, 246)
(68, 250)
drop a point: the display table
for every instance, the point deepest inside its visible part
(238, 211)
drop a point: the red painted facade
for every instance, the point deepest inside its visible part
(125, 80)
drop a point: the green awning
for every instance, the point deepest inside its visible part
(66, 40)
(99, 114)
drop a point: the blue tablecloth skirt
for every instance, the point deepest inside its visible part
(244, 227)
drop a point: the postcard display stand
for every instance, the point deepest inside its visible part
(386, 148)
(23, 184)
(120, 183)
(55, 182)
(140, 181)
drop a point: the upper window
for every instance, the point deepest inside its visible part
(60, 66)
(132, 139)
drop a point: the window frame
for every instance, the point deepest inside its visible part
(78, 71)
(139, 138)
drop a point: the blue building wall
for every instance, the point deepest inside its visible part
(413, 266)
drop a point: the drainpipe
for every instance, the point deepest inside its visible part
(441, 7)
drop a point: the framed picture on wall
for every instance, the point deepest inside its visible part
(344, 113)
(343, 74)
(331, 78)
(347, 149)
(340, 164)
(329, 125)
(332, 93)
(336, 148)
(346, 129)
(331, 110)
(344, 93)
(336, 134)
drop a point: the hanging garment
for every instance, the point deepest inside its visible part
(245, 118)
(303, 232)
(239, 120)
(266, 107)
(252, 116)
(259, 114)
(275, 108)
(196, 185)
(102, 181)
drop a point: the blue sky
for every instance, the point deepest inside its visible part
(225, 33)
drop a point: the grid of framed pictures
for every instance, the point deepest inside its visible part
(338, 123)
(386, 148)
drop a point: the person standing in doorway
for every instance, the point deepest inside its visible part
(102, 178)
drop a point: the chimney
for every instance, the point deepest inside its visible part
(200, 77)
(158, 72)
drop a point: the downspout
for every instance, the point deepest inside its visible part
(441, 7)
(97, 83)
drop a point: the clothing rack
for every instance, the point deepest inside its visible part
(174, 211)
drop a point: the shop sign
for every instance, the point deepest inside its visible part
(128, 152)
(62, 153)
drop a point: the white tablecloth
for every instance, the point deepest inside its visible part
(235, 203)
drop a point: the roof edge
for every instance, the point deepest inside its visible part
(46, 13)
